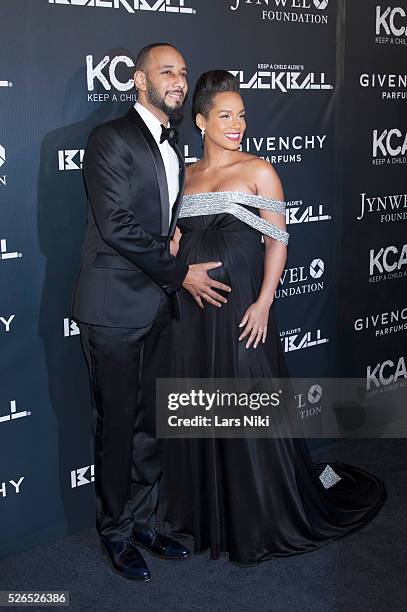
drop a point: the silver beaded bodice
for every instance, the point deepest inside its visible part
(218, 202)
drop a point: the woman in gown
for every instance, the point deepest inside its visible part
(253, 498)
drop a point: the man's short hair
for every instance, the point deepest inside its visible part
(142, 57)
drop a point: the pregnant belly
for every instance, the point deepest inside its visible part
(242, 256)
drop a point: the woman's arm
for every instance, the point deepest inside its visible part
(269, 186)
(174, 244)
(255, 318)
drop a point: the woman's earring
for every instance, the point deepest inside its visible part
(203, 133)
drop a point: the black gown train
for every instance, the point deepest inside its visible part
(254, 498)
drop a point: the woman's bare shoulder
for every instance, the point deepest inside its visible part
(268, 182)
(262, 175)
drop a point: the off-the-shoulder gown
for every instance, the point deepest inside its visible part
(253, 498)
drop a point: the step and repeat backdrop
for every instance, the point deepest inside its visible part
(324, 84)
(373, 210)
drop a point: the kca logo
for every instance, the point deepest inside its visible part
(82, 476)
(390, 21)
(96, 72)
(389, 142)
(385, 373)
(388, 260)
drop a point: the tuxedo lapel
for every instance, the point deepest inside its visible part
(159, 167)
(177, 203)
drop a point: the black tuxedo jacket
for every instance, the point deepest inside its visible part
(126, 264)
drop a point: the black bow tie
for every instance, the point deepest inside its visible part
(169, 134)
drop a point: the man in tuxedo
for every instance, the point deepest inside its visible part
(125, 295)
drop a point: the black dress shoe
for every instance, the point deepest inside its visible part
(125, 559)
(160, 545)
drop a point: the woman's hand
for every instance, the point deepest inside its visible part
(255, 321)
(174, 244)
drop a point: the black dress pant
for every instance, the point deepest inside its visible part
(123, 366)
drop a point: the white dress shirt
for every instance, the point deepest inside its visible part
(168, 154)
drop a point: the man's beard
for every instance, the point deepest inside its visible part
(174, 114)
